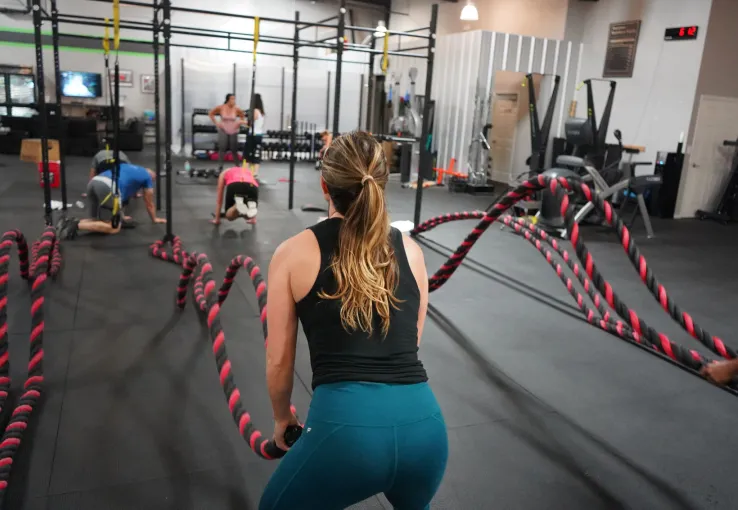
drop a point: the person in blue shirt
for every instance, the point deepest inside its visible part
(132, 178)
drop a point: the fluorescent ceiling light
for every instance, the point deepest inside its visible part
(469, 12)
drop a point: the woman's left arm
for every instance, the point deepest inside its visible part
(282, 341)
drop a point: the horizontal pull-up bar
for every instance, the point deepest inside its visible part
(93, 18)
(321, 21)
(414, 48)
(129, 2)
(391, 32)
(123, 26)
(421, 29)
(264, 53)
(246, 16)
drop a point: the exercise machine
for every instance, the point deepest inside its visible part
(727, 209)
(477, 166)
(595, 162)
(539, 137)
(539, 133)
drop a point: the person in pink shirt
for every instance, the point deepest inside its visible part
(231, 119)
(241, 192)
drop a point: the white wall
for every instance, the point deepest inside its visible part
(702, 186)
(132, 99)
(537, 18)
(655, 106)
(311, 73)
(466, 71)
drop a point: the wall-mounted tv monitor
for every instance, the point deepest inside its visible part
(81, 84)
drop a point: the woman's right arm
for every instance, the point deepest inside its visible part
(215, 111)
(417, 264)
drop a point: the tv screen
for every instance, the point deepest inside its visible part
(80, 84)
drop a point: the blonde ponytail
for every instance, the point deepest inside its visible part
(364, 265)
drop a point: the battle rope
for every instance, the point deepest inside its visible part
(640, 331)
(203, 291)
(46, 262)
(616, 327)
(535, 236)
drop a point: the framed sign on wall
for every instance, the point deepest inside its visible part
(622, 41)
(126, 77)
(147, 83)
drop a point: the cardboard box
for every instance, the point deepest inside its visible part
(31, 150)
(389, 148)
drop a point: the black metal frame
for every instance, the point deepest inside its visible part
(539, 134)
(41, 100)
(162, 24)
(424, 137)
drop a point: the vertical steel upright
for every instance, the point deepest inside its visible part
(60, 132)
(281, 104)
(293, 124)
(339, 65)
(167, 15)
(328, 103)
(41, 101)
(182, 106)
(361, 100)
(157, 115)
(370, 87)
(424, 137)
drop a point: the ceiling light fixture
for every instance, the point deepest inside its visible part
(469, 12)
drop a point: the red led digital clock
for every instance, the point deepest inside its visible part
(680, 33)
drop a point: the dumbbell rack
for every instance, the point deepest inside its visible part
(275, 144)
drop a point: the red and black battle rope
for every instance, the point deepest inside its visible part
(562, 187)
(6, 244)
(46, 263)
(197, 265)
(618, 328)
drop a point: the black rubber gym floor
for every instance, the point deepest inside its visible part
(544, 411)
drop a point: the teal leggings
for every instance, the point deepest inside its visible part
(362, 439)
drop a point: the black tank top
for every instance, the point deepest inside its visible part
(337, 355)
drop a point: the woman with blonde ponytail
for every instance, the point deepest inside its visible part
(359, 288)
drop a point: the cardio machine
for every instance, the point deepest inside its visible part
(600, 165)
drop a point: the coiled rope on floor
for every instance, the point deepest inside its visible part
(45, 263)
(208, 302)
(633, 328)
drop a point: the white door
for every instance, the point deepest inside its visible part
(502, 141)
(707, 166)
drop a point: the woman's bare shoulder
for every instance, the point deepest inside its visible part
(412, 249)
(297, 246)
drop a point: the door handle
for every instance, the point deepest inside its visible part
(695, 165)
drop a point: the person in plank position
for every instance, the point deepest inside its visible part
(360, 290)
(104, 160)
(100, 201)
(241, 192)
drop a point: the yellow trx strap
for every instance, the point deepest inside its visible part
(106, 38)
(385, 56)
(256, 36)
(116, 24)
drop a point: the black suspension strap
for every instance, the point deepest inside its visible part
(115, 191)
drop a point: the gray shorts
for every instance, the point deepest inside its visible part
(99, 199)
